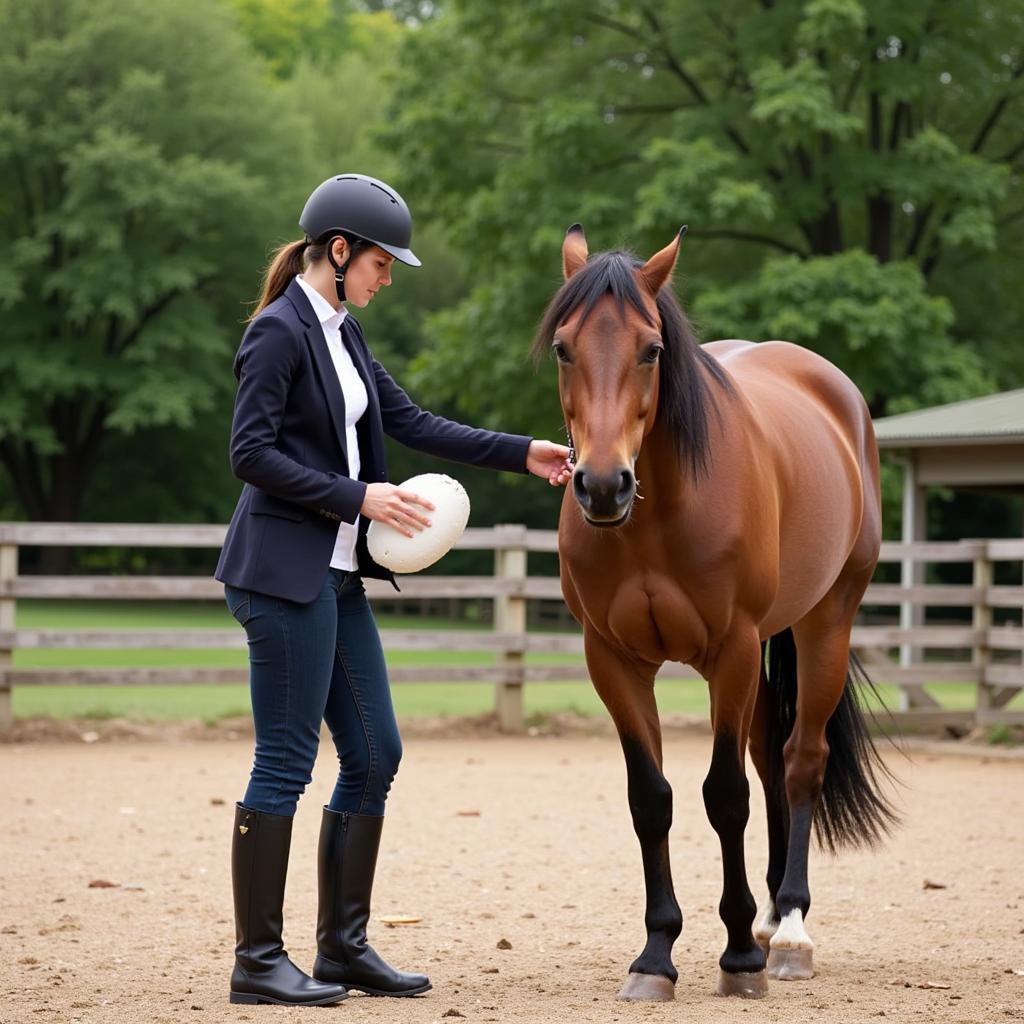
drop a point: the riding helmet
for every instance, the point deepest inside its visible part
(361, 206)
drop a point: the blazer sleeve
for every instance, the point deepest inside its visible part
(416, 428)
(264, 366)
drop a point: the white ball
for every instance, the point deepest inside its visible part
(395, 551)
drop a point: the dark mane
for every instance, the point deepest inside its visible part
(685, 398)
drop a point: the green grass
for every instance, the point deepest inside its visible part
(211, 702)
(169, 615)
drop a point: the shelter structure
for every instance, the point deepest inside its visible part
(976, 444)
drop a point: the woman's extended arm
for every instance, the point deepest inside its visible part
(416, 428)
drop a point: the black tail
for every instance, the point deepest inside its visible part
(853, 810)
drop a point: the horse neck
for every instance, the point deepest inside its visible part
(661, 479)
(664, 480)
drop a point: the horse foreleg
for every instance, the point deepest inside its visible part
(733, 681)
(627, 688)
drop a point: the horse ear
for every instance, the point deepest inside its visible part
(574, 250)
(657, 271)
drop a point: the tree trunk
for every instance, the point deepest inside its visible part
(880, 228)
(831, 231)
(51, 488)
(69, 474)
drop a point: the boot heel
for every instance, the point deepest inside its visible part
(262, 972)
(346, 860)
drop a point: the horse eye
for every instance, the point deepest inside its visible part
(652, 354)
(560, 354)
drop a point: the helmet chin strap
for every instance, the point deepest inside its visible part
(339, 272)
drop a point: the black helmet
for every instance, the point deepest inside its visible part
(361, 206)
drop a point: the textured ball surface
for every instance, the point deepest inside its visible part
(399, 553)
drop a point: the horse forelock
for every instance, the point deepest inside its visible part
(684, 397)
(606, 273)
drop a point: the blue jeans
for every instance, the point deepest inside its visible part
(316, 662)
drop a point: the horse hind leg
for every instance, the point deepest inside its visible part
(838, 794)
(821, 663)
(773, 783)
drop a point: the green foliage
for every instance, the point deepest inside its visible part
(796, 103)
(827, 24)
(1004, 735)
(878, 322)
(143, 165)
(871, 144)
(284, 31)
(849, 169)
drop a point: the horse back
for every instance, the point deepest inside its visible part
(807, 424)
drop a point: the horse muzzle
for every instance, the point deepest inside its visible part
(605, 498)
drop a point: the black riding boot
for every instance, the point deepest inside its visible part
(259, 862)
(346, 862)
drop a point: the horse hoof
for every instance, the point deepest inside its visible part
(745, 984)
(791, 964)
(652, 987)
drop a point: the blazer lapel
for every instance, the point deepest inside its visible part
(322, 361)
(362, 365)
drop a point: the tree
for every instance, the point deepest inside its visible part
(850, 171)
(144, 164)
(285, 32)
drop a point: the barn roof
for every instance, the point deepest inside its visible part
(993, 419)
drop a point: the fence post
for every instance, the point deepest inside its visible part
(912, 574)
(510, 617)
(8, 571)
(982, 620)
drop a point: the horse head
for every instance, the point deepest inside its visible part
(620, 342)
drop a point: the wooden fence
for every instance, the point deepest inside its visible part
(985, 651)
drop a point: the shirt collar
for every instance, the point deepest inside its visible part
(325, 312)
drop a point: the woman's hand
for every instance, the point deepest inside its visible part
(390, 504)
(549, 461)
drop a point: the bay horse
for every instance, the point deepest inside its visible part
(724, 512)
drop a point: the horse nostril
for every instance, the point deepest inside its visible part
(627, 486)
(579, 486)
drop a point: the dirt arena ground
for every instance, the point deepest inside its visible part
(490, 839)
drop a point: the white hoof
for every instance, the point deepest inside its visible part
(791, 964)
(791, 951)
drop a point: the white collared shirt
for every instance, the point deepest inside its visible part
(354, 390)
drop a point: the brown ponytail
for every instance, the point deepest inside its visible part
(290, 259)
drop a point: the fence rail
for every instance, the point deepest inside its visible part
(985, 653)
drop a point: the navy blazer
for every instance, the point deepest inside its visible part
(288, 446)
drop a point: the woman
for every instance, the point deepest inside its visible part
(307, 439)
